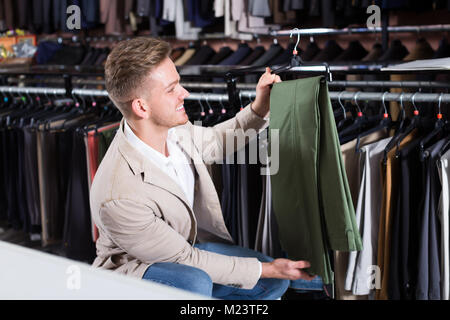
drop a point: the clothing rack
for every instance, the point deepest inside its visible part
(250, 94)
(114, 38)
(349, 84)
(252, 86)
(331, 31)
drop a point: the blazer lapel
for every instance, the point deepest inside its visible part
(152, 174)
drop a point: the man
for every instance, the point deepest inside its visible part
(152, 199)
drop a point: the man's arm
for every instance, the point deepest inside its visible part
(215, 143)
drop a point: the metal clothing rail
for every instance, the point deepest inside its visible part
(252, 86)
(32, 90)
(250, 94)
(379, 96)
(13, 80)
(389, 84)
(90, 92)
(349, 84)
(342, 95)
(330, 31)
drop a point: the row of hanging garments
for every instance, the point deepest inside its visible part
(55, 53)
(51, 148)
(186, 19)
(332, 52)
(73, 53)
(397, 173)
(398, 176)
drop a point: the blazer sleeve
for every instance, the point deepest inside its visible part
(138, 231)
(215, 143)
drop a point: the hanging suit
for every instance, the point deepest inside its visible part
(390, 174)
(351, 161)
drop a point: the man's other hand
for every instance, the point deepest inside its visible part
(286, 269)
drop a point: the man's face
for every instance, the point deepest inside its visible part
(166, 96)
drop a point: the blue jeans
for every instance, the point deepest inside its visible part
(198, 281)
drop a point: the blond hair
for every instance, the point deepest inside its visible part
(127, 66)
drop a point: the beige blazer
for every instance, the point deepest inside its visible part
(143, 216)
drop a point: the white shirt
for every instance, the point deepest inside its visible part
(177, 165)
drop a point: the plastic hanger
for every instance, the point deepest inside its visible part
(403, 116)
(359, 121)
(295, 59)
(413, 125)
(294, 62)
(346, 120)
(438, 128)
(210, 117)
(223, 112)
(385, 123)
(202, 113)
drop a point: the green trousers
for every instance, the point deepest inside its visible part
(310, 193)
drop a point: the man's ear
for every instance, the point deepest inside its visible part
(140, 108)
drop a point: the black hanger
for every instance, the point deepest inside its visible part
(444, 147)
(210, 117)
(399, 131)
(296, 61)
(438, 128)
(224, 114)
(202, 112)
(358, 123)
(415, 122)
(385, 123)
(346, 120)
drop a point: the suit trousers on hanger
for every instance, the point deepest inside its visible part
(31, 177)
(311, 196)
(77, 235)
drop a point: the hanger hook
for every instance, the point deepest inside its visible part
(356, 101)
(384, 104)
(298, 39)
(240, 98)
(439, 105)
(401, 103)
(342, 106)
(201, 105)
(412, 99)
(221, 103)
(27, 92)
(207, 102)
(249, 96)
